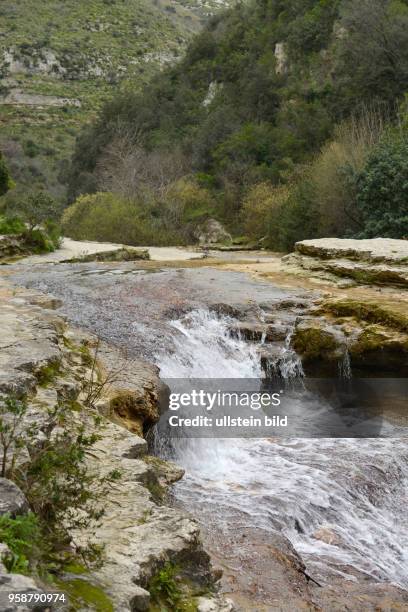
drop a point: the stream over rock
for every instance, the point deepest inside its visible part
(332, 510)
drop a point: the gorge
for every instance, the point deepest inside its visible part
(293, 523)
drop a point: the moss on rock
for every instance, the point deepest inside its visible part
(383, 313)
(312, 341)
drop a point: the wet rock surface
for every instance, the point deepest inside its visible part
(133, 308)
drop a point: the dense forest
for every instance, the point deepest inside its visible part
(284, 121)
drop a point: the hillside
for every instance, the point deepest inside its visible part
(277, 112)
(61, 61)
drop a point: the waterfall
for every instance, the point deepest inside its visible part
(341, 502)
(205, 348)
(345, 365)
(287, 364)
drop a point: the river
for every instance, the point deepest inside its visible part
(340, 503)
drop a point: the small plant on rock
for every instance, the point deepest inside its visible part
(48, 461)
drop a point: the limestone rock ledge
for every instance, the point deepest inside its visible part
(378, 261)
(373, 334)
(43, 361)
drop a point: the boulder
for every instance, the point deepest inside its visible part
(373, 250)
(381, 349)
(134, 394)
(12, 499)
(16, 584)
(13, 584)
(212, 232)
(11, 245)
(140, 601)
(315, 339)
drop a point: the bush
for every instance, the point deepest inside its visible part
(323, 194)
(164, 589)
(299, 218)
(383, 189)
(24, 538)
(5, 179)
(11, 225)
(37, 208)
(38, 241)
(186, 201)
(55, 478)
(335, 171)
(262, 208)
(108, 217)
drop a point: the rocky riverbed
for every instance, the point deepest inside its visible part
(288, 530)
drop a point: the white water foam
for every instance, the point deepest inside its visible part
(341, 502)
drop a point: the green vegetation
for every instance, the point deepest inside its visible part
(33, 216)
(48, 373)
(383, 188)
(47, 461)
(5, 178)
(24, 538)
(170, 592)
(82, 594)
(155, 215)
(285, 113)
(67, 60)
(36, 208)
(11, 225)
(163, 587)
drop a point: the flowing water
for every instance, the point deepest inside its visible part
(341, 502)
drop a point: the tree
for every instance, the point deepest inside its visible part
(5, 179)
(372, 51)
(383, 189)
(37, 208)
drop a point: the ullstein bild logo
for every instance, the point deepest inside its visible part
(228, 421)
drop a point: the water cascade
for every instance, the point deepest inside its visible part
(341, 502)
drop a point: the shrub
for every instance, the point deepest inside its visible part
(109, 217)
(24, 538)
(37, 208)
(261, 210)
(336, 169)
(323, 194)
(383, 189)
(31, 149)
(38, 241)
(164, 589)
(11, 225)
(62, 491)
(299, 218)
(5, 179)
(187, 201)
